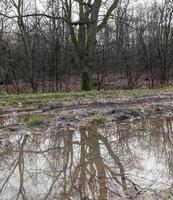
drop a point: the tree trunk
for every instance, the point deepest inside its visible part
(34, 87)
(86, 79)
(163, 76)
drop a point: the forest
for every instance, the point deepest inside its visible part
(69, 45)
(86, 99)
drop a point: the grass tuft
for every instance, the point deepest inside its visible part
(35, 120)
(99, 119)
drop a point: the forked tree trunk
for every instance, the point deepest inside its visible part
(84, 38)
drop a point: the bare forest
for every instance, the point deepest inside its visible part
(65, 45)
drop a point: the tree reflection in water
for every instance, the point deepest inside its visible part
(115, 162)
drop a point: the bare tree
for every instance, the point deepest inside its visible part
(84, 31)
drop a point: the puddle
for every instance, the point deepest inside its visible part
(131, 160)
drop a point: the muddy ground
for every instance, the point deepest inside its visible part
(84, 110)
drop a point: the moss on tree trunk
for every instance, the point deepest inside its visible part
(86, 79)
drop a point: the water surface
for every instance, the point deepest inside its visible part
(130, 160)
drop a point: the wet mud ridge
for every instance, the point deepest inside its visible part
(121, 108)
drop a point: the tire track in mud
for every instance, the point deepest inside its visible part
(149, 100)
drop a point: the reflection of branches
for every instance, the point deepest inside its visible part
(83, 166)
(117, 161)
(97, 159)
(38, 152)
(73, 181)
(96, 168)
(83, 173)
(9, 176)
(21, 169)
(73, 169)
(52, 185)
(20, 163)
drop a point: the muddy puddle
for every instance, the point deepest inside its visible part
(128, 160)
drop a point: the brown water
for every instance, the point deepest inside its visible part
(130, 160)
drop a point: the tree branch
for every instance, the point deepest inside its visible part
(32, 15)
(108, 13)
